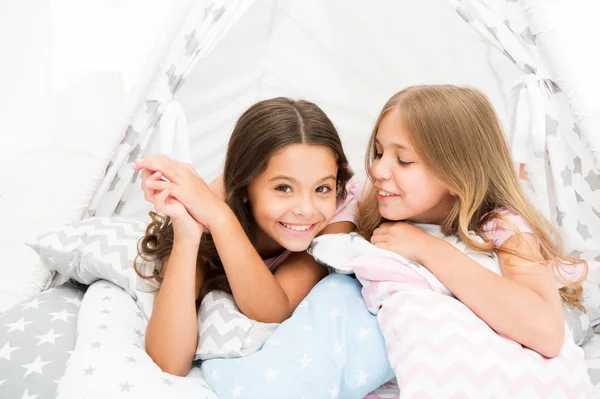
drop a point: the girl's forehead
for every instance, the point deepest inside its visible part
(302, 160)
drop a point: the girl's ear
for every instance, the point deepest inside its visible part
(452, 193)
(245, 199)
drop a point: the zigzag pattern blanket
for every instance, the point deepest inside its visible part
(437, 346)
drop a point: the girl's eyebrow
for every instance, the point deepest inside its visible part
(397, 145)
(292, 180)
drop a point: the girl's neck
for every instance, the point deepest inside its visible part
(266, 246)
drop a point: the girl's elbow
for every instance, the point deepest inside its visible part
(551, 341)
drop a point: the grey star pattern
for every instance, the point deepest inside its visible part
(577, 131)
(130, 136)
(40, 350)
(593, 179)
(151, 106)
(167, 381)
(583, 231)
(106, 298)
(594, 375)
(596, 213)
(139, 314)
(126, 386)
(578, 197)
(464, 13)
(566, 177)
(96, 345)
(102, 327)
(528, 37)
(207, 10)
(577, 163)
(551, 126)
(105, 311)
(110, 164)
(139, 333)
(131, 359)
(133, 155)
(191, 44)
(118, 210)
(560, 217)
(218, 13)
(114, 183)
(89, 371)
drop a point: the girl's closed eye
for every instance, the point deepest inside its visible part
(404, 163)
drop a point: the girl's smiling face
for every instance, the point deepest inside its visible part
(295, 197)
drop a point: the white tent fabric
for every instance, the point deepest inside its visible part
(562, 175)
(346, 56)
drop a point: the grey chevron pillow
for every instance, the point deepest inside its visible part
(99, 249)
(224, 332)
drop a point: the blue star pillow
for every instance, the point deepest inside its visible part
(331, 347)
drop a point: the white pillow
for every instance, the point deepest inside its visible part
(100, 249)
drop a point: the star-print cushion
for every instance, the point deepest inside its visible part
(331, 347)
(100, 249)
(36, 340)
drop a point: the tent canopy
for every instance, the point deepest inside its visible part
(214, 58)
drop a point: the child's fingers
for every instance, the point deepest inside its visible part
(158, 185)
(160, 200)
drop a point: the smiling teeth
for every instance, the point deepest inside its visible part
(297, 227)
(385, 193)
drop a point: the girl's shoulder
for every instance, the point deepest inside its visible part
(503, 225)
(347, 208)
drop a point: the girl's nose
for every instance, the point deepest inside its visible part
(380, 170)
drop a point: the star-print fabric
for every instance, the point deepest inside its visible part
(109, 359)
(36, 340)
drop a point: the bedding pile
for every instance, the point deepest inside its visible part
(437, 346)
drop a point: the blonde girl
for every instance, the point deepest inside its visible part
(437, 155)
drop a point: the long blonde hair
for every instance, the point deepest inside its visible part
(458, 136)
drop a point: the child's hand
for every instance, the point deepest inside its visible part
(184, 225)
(186, 186)
(404, 239)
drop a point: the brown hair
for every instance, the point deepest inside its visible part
(261, 131)
(458, 136)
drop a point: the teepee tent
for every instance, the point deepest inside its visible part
(214, 58)
(325, 52)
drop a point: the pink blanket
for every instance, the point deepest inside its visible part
(438, 347)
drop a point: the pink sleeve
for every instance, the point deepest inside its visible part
(347, 209)
(499, 230)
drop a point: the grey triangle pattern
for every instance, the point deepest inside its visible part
(578, 197)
